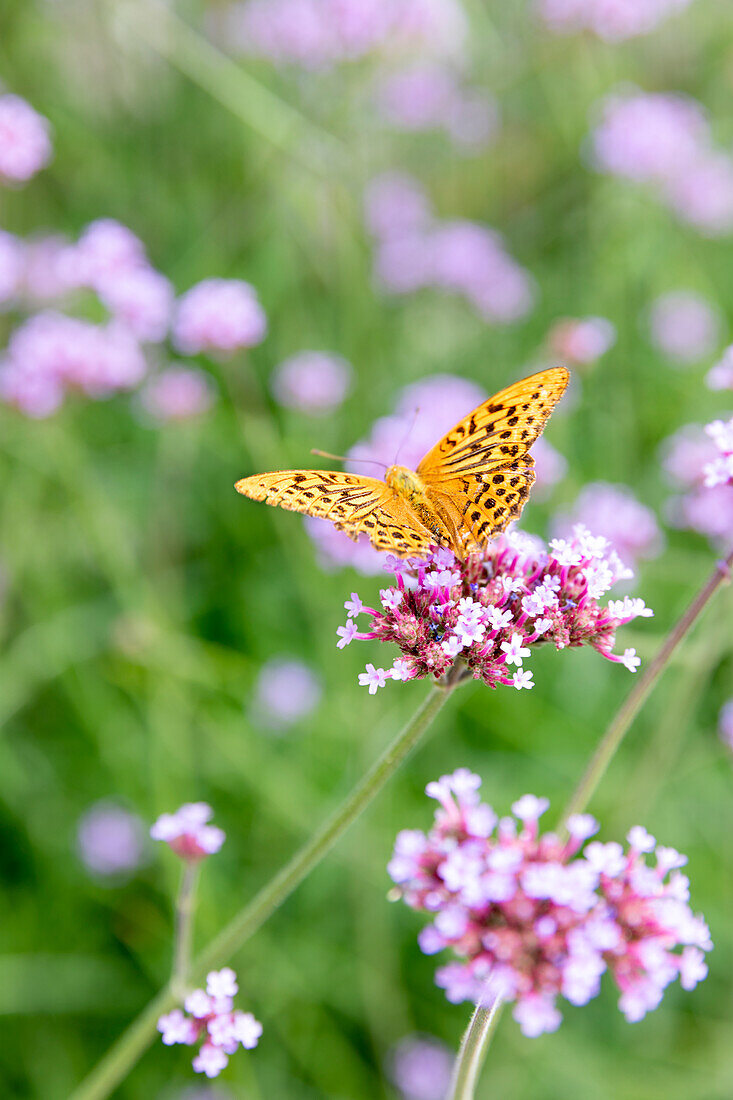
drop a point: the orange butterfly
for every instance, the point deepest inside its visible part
(464, 491)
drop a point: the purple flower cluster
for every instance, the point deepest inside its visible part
(614, 512)
(719, 471)
(457, 256)
(429, 96)
(286, 691)
(725, 723)
(420, 1068)
(110, 839)
(177, 393)
(688, 456)
(219, 315)
(212, 1017)
(318, 34)
(664, 139)
(315, 382)
(612, 20)
(424, 412)
(533, 917)
(187, 832)
(25, 143)
(684, 326)
(488, 611)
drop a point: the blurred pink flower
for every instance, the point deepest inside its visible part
(177, 393)
(140, 298)
(720, 376)
(187, 833)
(25, 143)
(110, 839)
(396, 203)
(315, 382)
(649, 137)
(612, 20)
(429, 96)
(420, 1068)
(286, 690)
(702, 193)
(725, 724)
(614, 512)
(48, 272)
(219, 315)
(105, 249)
(11, 266)
(317, 34)
(709, 511)
(582, 340)
(684, 326)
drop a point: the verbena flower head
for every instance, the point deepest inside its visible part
(188, 833)
(315, 382)
(533, 917)
(614, 512)
(612, 20)
(110, 839)
(719, 471)
(210, 1016)
(25, 142)
(701, 193)
(487, 613)
(420, 1068)
(684, 326)
(219, 315)
(720, 376)
(177, 393)
(142, 299)
(430, 96)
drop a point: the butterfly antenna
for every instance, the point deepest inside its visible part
(342, 458)
(408, 433)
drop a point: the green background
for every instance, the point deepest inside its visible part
(143, 595)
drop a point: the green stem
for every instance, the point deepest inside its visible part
(477, 1038)
(184, 930)
(474, 1044)
(123, 1055)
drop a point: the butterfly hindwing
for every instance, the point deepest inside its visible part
(482, 504)
(354, 504)
(498, 432)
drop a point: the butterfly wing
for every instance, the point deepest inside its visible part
(354, 504)
(481, 470)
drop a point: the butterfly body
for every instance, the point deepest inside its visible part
(466, 490)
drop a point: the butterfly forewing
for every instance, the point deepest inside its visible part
(497, 432)
(354, 504)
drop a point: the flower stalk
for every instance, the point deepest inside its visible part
(479, 1033)
(185, 905)
(126, 1051)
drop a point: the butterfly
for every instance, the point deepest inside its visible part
(466, 490)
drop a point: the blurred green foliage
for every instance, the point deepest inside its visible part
(143, 595)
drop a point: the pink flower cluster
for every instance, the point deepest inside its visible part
(612, 20)
(581, 341)
(212, 1017)
(286, 691)
(614, 512)
(664, 139)
(684, 326)
(315, 382)
(424, 412)
(187, 832)
(720, 376)
(707, 509)
(457, 257)
(534, 917)
(318, 34)
(25, 143)
(429, 96)
(177, 393)
(219, 315)
(725, 724)
(490, 610)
